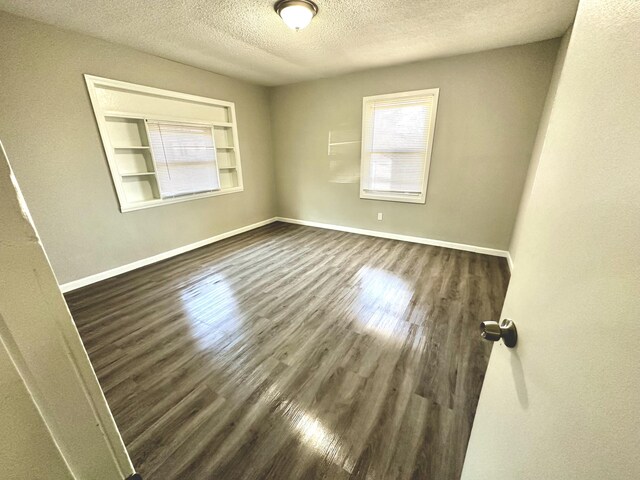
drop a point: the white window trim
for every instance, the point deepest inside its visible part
(94, 82)
(364, 165)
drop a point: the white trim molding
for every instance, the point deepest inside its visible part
(510, 262)
(59, 388)
(405, 238)
(82, 282)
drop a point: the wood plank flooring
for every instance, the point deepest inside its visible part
(291, 352)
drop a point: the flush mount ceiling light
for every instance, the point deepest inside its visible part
(297, 14)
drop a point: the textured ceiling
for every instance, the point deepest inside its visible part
(246, 38)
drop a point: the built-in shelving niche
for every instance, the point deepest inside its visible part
(133, 159)
(126, 141)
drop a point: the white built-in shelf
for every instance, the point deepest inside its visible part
(166, 118)
(122, 111)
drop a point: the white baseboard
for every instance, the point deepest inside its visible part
(75, 284)
(405, 238)
(82, 282)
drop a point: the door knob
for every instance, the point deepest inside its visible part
(506, 331)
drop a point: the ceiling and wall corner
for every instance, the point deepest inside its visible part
(246, 38)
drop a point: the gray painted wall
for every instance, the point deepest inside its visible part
(51, 137)
(537, 148)
(488, 114)
(489, 110)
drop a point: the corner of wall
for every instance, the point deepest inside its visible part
(538, 146)
(274, 162)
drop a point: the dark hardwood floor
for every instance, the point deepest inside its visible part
(292, 352)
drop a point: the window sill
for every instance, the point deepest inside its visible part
(157, 202)
(393, 198)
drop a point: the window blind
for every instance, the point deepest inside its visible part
(396, 137)
(184, 157)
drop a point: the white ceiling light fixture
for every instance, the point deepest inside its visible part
(297, 14)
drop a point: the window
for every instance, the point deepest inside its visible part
(185, 158)
(165, 147)
(397, 138)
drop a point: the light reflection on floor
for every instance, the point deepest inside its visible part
(383, 299)
(313, 434)
(380, 309)
(203, 321)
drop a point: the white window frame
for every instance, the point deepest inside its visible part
(138, 114)
(367, 110)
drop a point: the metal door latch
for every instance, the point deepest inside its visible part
(506, 331)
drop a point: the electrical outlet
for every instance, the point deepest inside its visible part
(379, 215)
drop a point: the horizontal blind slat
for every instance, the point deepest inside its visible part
(396, 146)
(185, 158)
